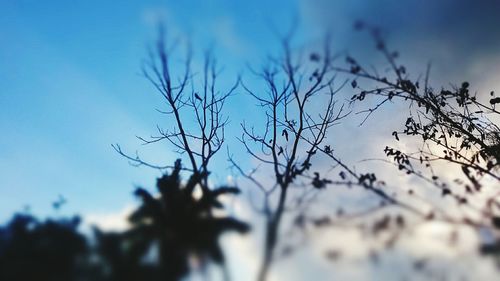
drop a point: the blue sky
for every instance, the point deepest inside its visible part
(71, 87)
(70, 83)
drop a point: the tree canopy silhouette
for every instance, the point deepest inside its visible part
(48, 250)
(181, 224)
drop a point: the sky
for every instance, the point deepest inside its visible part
(71, 87)
(70, 83)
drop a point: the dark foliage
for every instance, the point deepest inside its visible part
(180, 224)
(41, 250)
(176, 224)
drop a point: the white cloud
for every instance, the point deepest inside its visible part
(108, 221)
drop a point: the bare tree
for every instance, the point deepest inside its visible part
(182, 223)
(182, 98)
(294, 129)
(448, 127)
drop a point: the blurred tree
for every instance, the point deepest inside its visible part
(181, 225)
(32, 250)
